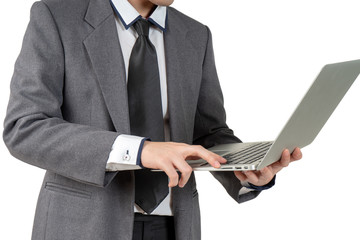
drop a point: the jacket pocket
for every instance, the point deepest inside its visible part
(55, 187)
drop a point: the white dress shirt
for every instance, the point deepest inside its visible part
(124, 153)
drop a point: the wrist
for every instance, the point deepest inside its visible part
(264, 187)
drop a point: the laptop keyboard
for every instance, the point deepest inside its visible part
(248, 155)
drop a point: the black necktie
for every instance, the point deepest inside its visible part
(146, 116)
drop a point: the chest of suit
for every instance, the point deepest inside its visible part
(95, 78)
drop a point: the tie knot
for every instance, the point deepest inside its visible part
(142, 27)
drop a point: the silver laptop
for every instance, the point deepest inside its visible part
(309, 117)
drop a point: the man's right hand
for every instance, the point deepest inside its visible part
(169, 156)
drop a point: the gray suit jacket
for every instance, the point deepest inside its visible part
(68, 103)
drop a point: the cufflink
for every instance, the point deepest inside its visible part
(126, 157)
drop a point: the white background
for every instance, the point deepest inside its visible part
(267, 53)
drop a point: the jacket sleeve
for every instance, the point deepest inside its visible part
(210, 123)
(34, 129)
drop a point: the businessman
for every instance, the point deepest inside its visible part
(102, 92)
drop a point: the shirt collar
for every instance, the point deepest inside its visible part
(128, 14)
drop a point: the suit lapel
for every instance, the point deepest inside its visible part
(105, 54)
(174, 40)
(175, 47)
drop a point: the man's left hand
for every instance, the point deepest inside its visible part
(265, 175)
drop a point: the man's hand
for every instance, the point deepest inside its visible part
(264, 176)
(169, 156)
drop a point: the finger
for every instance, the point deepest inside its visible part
(185, 170)
(251, 177)
(240, 175)
(267, 174)
(212, 158)
(221, 159)
(285, 158)
(172, 174)
(212, 155)
(192, 158)
(296, 155)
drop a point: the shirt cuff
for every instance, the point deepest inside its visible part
(125, 153)
(261, 188)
